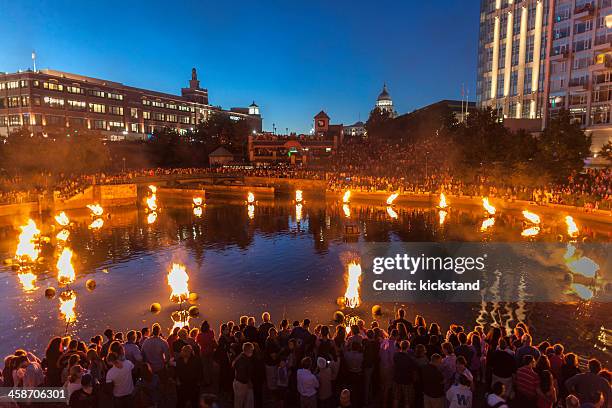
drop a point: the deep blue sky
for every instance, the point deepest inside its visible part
(293, 58)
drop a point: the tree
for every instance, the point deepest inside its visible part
(562, 147)
(378, 123)
(606, 151)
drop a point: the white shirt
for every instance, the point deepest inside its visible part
(493, 399)
(121, 379)
(307, 382)
(459, 396)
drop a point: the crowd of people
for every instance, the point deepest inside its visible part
(406, 363)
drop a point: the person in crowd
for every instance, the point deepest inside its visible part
(527, 382)
(147, 389)
(208, 345)
(243, 377)
(460, 395)
(404, 376)
(546, 391)
(132, 351)
(119, 378)
(496, 399)
(86, 396)
(503, 366)
(188, 376)
(590, 387)
(433, 383)
(307, 384)
(324, 377)
(74, 380)
(156, 351)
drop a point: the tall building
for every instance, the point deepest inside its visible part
(54, 101)
(384, 101)
(536, 57)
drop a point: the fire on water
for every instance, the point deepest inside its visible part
(392, 198)
(65, 270)
(298, 196)
(96, 209)
(27, 247)
(531, 217)
(250, 198)
(443, 203)
(177, 280)
(351, 296)
(487, 206)
(67, 306)
(572, 228)
(346, 197)
(62, 219)
(197, 201)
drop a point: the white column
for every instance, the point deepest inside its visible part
(537, 48)
(522, 55)
(508, 60)
(495, 67)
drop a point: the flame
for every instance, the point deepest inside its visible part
(96, 209)
(27, 280)
(298, 212)
(298, 196)
(62, 219)
(351, 296)
(443, 203)
(67, 305)
(490, 209)
(251, 211)
(582, 291)
(250, 198)
(27, 247)
(65, 270)
(152, 202)
(391, 212)
(530, 232)
(96, 224)
(392, 198)
(152, 217)
(197, 211)
(531, 217)
(63, 235)
(177, 279)
(442, 215)
(197, 201)
(347, 210)
(572, 228)
(487, 223)
(583, 266)
(346, 197)
(153, 189)
(182, 322)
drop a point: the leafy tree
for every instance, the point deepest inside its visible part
(562, 147)
(378, 123)
(606, 151)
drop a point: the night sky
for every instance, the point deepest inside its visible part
(293, 58)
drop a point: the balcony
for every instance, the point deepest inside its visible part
(602, 44)
(560, 56)
(579, 84)
(584, 12)
(602, 62)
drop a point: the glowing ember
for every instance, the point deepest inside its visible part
(197, 211)
(96, 209)
(487, 206)
(197, 201)
(63, 235)
(530, 232)
(250, 198)
(583, 266)
(67, 305)
(177, 279)
(346, 197)
(96, 224)
(487, 223)
(347, 210)
(582, 291)
(27, 280)
(392, 198)
(572, 228)
(151, 217)
(391, 212)
(351, 296)
(443, 203)
(298, 196)
(62, 219)
(298, 212)
(65, 270)
(442, 216)
(251, 211)
(531, 217)
(27, 247)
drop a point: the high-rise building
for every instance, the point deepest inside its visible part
(536, 57)
(384, 101)
(49, 101)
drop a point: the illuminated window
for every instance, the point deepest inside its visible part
(115, 110)
(159, 116)
(134, 127)
(25, 101)
(171, 118)
(116, 125)
(75, 90)
(146, 115)
(134, 113)
(53, 86)
(76, 105)
(146, 102)
(170, 106)
(97, 93)
(158, 104)
(116, 96)
(99, 124)
(53, 102)
(97, 108)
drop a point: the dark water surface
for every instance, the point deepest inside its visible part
(241, 265)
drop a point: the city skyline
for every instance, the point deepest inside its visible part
(339, 66)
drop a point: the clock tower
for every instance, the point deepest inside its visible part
(321, 123)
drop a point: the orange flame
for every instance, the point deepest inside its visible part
(531, 217)
(250, 198)
(347, 210)
(487, 206)
(251, 211)
(151, 217)
(153, 189)
(96, 209)
(351, 296)
(27, 280)
(62, 219)
(96, 224)
(67, 306)
(487, 223)
(530, 232)
(572, 228)
(391, 212)
(63, 235)
(298, 212)
(442, 216)
(177, 279)
(27, 247)
(65, 270)
(197, 211)
(392, 198)
(346, 197)
(443, 203)
(298, 196)
(197, 201)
